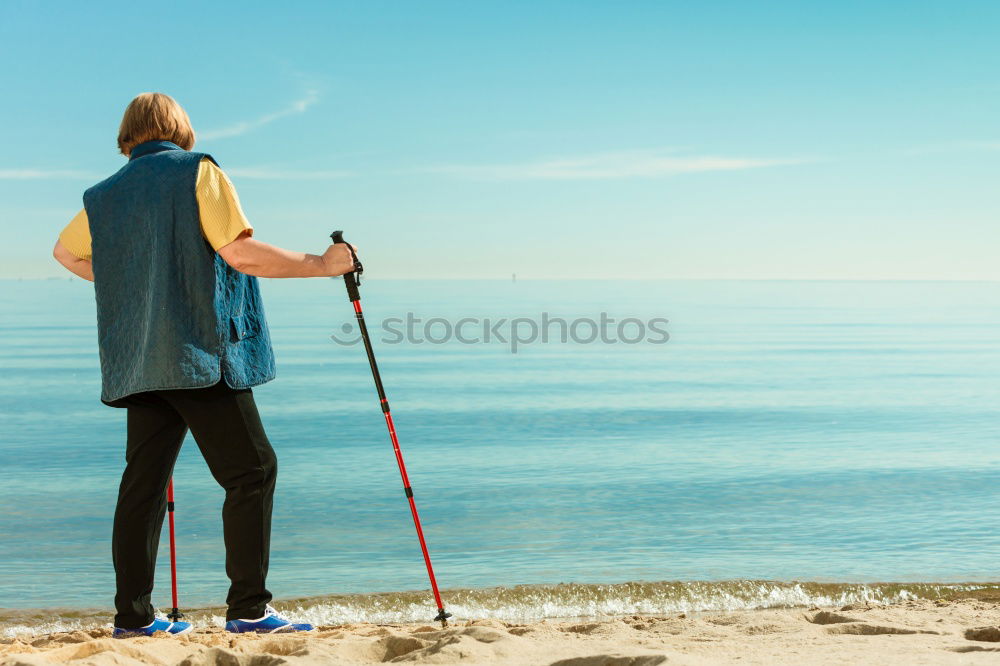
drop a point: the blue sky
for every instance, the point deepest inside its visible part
(552, 139)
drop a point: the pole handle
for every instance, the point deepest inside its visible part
(353, 279)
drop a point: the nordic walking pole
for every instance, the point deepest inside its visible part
(353, 280)
(174, 615)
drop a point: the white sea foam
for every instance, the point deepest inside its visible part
(528, 603)
(543, 604)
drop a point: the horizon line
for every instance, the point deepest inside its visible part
(578, 279)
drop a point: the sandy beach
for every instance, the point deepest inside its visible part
(961, 631)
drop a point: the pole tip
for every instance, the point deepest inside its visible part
(442, 617)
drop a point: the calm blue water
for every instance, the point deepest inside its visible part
(812, 431)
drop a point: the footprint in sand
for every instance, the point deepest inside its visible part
(828, 617)
(475, 644)
(989, 634)
(613, 660)
(974, 648)
(844, 624)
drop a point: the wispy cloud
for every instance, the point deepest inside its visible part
(298, 106)
(267, 173)
(46, 174)
(608, 166)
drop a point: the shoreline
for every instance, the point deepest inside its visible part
(964, 630)
(562, 602)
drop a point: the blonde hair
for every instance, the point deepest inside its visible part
(154, 117)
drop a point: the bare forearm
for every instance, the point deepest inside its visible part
(254, 257)
(79, 267)
(264, 260)
(83, 268)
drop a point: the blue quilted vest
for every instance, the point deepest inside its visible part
(171, 313)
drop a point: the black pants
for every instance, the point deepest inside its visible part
(227, 428)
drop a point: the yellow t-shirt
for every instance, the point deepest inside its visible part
(222, 219)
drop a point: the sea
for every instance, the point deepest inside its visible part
(575, 448)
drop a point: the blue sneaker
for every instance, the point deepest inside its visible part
(175, 628)
(270, 623)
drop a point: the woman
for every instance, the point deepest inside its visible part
(182, 338)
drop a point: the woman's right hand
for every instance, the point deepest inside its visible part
(337, 259)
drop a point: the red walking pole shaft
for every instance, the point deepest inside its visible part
(352, 281)
(174, 615)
